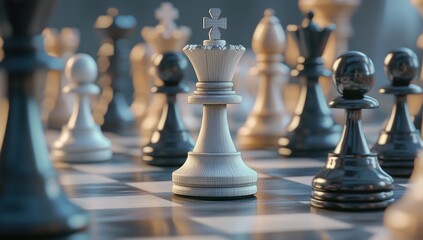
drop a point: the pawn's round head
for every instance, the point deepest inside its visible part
(353, 74)
(401, 66)
(81, 68)
(170, 67)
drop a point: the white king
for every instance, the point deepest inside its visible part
(214, 168)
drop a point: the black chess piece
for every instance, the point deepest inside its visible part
(32, 203)
(399, 142)
(352, 178)
(418, 119)
(312, 131)
(114, 72)
(171, 142)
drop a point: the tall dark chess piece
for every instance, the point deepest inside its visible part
(312, 130)
(399, 142)
(352, 178)
(114, 76)
(31, 200)
(171, 142)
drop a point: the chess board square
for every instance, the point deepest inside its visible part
(153, 187)
(82, 178)
(119, 202)
(379, 233)
(271, 223)
(285, 163)
(259, 154)
(193, 237)
(114, 168)
(306, 180)
(123, 140)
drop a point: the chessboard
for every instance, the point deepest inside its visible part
(127, 199)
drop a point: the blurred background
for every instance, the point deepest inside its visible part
(378, 25)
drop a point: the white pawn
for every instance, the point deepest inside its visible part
(81, 139)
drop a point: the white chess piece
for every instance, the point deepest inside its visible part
(57, 107)
(266, 123)
(81, 139)
(214, 168)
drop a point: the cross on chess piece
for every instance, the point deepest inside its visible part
(81, 139)
(33, 205)
(171, 141)
(267, 121)
(399, 142)
(112, 110)
(167, 14)
(352, 178)
(214, 168)
(312, 131)
(214, 23)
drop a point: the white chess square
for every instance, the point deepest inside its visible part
(284, 163)
(153, 187)
(306, 180)
(271, 223)
(112, 168)
(120, 202)
(379, 233)
(83, 178)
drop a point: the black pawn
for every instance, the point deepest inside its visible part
(312, 131)
(399, 142)
(171, 142)
(32, 203)
(352, 178)
(114, 76)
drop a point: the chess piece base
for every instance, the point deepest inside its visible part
(257, 142)
(165, 161)
(230, 177)
(32, 215)
(90, 146)
(350, 182)
(397, 168)
(396, 155)
(261, 131)
(169, 150)
(351, 206)
(309, 141)
(119, 119)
